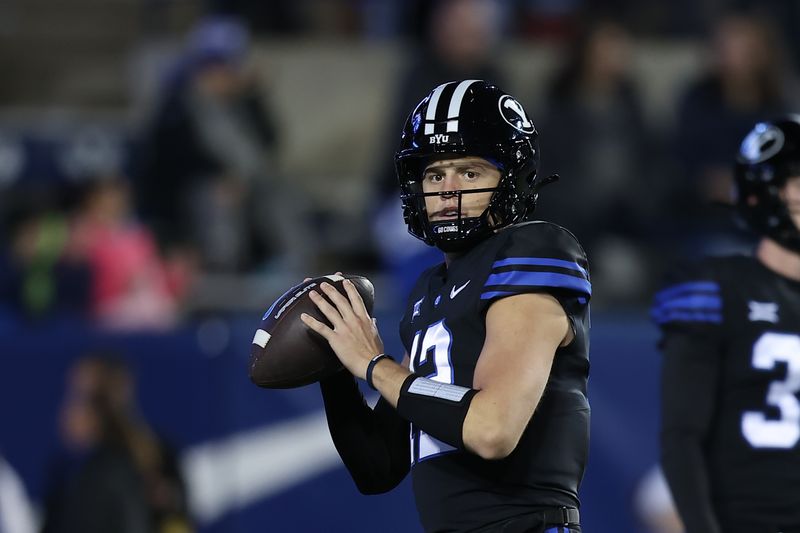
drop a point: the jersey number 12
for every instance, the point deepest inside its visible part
(430, 357)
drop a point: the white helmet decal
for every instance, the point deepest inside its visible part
(514, 114)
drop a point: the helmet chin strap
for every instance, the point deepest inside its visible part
(460, 229)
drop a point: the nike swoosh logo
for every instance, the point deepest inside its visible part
(454, 292)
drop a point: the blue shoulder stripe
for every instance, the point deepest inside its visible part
(541, 261)
(691, 301)
(686, 288)
(537, 279)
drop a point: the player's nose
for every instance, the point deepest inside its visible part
(450, 186)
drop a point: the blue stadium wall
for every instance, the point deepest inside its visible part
(260, 460)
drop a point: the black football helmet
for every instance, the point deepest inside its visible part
(769, 154)
(469, 118)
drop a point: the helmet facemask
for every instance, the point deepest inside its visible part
(505, 207)
(450, 235)
(470, 118)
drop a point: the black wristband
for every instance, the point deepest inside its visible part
(437, 408)
(371, 368)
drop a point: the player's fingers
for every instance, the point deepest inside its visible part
(315, 325)
(330, 312)
(341, 303)
(356, 301)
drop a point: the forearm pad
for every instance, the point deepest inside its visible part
(373, 444)
(439, 409)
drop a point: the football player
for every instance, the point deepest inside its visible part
(488, 408)
(731, 372)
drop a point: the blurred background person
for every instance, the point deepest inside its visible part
(597, 140)
(745, 81)
(40, 278)
(209, 178)
(132, 287)
(653, 504)
(16, 511)
(116, 474)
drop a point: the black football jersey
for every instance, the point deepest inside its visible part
(748, 319)
(444, 330)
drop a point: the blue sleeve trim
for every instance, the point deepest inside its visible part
(541, 261)
(538, 279)
(683, 288)
(493, 294)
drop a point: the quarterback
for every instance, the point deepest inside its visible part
(487, 408)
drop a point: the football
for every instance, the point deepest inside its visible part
(285, 353)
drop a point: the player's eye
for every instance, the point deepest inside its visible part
(471, 174)
(434, 178)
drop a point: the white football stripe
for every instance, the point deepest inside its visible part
(455, 104)
(261, 337)
(237, 471)
(334, 277)
(433, 103)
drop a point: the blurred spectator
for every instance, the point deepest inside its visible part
(461, 37)
(593, 134)
(131, 286)
(208, 177)
(745, 82)
(39, 277)
(653, 504)
(549, 19)
(117, 475)
(16, 513)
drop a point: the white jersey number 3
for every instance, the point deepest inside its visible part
(784, 432)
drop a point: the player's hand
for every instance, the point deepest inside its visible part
(354, 336)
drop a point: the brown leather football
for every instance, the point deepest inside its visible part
(285, 353)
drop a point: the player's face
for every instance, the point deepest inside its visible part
(459, 174)
(791, 195)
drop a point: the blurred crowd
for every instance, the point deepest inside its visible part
(131, 226)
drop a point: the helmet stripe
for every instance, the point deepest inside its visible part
(455, 104)
(433, 103)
